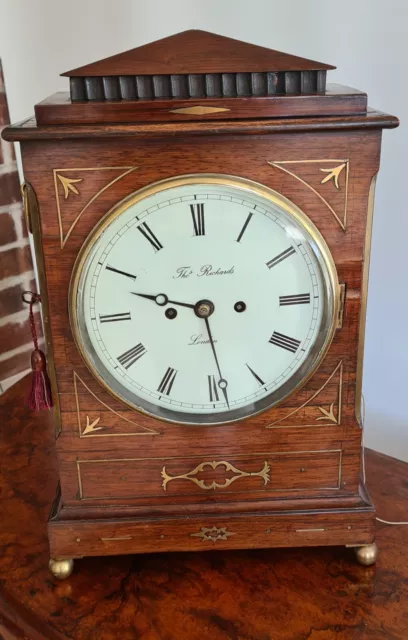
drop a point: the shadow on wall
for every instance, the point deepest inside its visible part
(16, 266)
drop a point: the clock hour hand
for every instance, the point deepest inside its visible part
(161, 299)
(222, 383)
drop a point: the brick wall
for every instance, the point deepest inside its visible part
(16, 267)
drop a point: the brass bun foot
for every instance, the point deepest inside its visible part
(61, 569)
(367, 555)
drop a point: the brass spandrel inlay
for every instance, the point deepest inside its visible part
(228, 467)
(93, 424)
(330, 415)
(68, 184)
(71, 186)
(90, 427)
(333, 173)
(213, 534)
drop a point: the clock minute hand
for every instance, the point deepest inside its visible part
(222, 382)
(161, 299)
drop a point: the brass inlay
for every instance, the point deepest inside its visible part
(309, 530)
(327, 414)
(116, 539)
(88, 431)
(260, 454)
(337, 170)
(333, 174)
(263, 473)
(363, 308)
(198, 111)
(68, 186)
(212, 534)
(89, 428)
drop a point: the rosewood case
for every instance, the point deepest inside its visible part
(290, 476)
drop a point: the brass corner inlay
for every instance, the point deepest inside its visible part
(263, 473)
(333, 173)
(91, 427)
(212, 534)
(88, 430)
(329, 416)
(68, 186)
(198, 110)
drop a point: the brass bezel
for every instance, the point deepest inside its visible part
(214, 179)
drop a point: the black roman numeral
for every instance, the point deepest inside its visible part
(129, 357)
(123, 273)
(280, 340)
(149, 235)
(167, 382)
(197, 213)
(299, 298)
(282, 256)
(246, 223)
(261, 382)
(212, 389)
(115, 317)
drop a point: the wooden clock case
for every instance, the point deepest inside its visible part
(290, 476)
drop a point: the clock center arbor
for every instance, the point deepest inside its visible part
(201, 211)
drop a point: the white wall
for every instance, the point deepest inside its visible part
(366, 39)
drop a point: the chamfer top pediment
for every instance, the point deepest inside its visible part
(196, 52)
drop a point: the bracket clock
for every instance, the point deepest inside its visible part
(201, 211)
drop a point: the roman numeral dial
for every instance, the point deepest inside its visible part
(285, 342)
(122, 273)
(204, 299)
(255, 375)
(212, 389)
(147, 233)
(167, 381)
(132, 355)
(299, 298)
(114, 317)
(280, 257)
(197, 214)
(246, 223)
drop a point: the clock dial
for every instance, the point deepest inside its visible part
(204, 299)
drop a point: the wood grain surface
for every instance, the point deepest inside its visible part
(311, 441)
(196, 51)
(278, 594)
(337, 100)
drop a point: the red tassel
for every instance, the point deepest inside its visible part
(39, 396)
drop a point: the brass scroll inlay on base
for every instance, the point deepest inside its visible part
(228, 467)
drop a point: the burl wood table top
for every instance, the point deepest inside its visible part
(282, 594)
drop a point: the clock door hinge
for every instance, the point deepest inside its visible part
(342, 299)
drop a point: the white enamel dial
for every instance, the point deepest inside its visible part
(203, 299)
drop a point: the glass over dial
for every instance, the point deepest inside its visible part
(203, 299)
